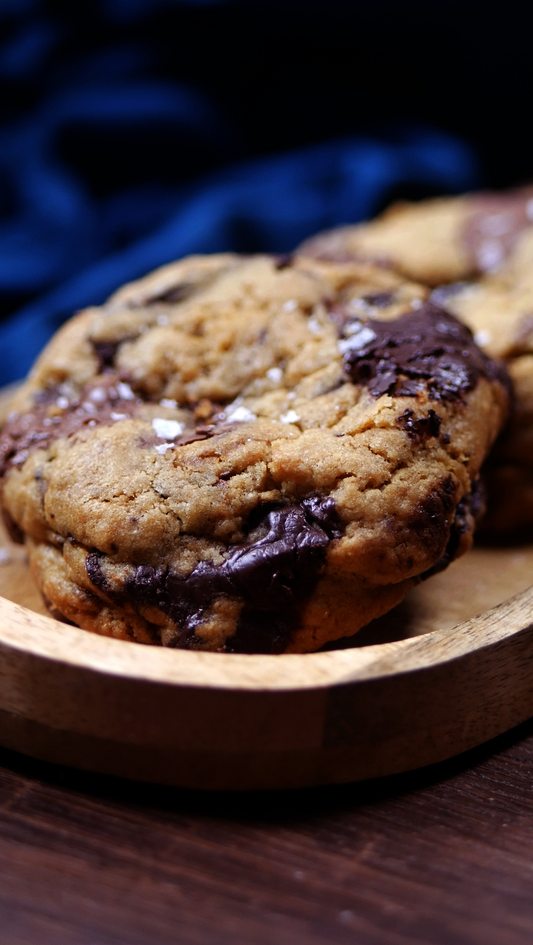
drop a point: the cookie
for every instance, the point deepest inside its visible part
(488, 237)
(437, 241)
(499, 310)
(249, 454)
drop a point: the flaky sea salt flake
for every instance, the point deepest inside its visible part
(290, 417)
(275, 374)
(124, 391)
(240, 415)
(167, 429)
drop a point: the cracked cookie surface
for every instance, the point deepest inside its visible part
(249, 454)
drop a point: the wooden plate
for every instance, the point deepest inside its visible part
(449, 668)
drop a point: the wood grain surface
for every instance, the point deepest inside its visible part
(204, 720)
(440, 857)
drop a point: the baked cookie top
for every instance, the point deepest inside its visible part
(249, 454)
(439, 240)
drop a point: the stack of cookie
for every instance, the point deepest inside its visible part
(476, 251)
(262, 455)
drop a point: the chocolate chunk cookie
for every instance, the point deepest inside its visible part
(249, 454)
(499, 310)
(489, 237)
(437, 241)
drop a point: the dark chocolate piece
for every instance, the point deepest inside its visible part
(379, 299)
(99, 404)
(470, 508)
(494, 225)
(430, 517)
(95, 573)
(201, 433)
(273, 572)
(419, 428)
(106, 351)
(424, 350)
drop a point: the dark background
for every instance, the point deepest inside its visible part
(135, 131)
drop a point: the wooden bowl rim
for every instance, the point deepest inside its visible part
(26, 631)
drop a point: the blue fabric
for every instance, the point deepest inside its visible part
(266, 205)
(64, 244)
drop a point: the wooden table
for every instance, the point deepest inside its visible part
(444, 855)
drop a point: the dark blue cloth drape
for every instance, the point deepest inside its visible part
(111, 165)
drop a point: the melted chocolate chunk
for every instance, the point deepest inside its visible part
(273, 573)
(430, 517)
(420, 428)
(379, 299)
(494, 225)
(99, 404)
(469, 510)
(95, 573)
(106, 352)
(201, 433)
(424, 350)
